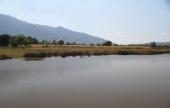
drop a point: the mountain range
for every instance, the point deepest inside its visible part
(11, 25)
(163, 43)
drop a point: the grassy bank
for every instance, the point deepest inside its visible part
(64, 51)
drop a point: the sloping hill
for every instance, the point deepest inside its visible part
(13, 26)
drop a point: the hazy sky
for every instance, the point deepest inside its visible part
(122, 21)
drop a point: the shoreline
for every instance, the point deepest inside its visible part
(36, 51)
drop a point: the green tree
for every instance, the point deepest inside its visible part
(32, 40)
(4, 39)
(13, 41)
(22, 40)
(68, 43)
(19, 41)
(153, 44)
(107, 43)
(61, 42)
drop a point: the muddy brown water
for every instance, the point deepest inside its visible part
(90, 82)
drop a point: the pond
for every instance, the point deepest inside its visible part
(115, 81)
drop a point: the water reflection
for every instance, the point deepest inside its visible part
(33, 59)
(89, 82)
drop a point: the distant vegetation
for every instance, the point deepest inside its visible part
(4, 39)
(27, 46)
(38, 51)
(107, 43)
(20, 40)
(153, 44)
(23, 41)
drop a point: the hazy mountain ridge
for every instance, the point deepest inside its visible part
(13, 26)
(164, 43)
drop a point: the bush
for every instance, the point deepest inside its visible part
(61, 42)
(68, 43)
(36, 54)
(153, 44)
(4, 40)
(22, 41)
(32, 40)
(4, 57)
(19, 40)
(108, 43)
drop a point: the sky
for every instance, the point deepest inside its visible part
(121, 21)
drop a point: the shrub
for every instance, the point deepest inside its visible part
(107, 43)
(4, 40)
(61, 42)
(4, 57)
(153, 44)
(37, 54)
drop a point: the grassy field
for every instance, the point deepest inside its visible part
(78, 50)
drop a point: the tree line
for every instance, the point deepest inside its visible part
(61, 42)
(22, 41)
(17, 40)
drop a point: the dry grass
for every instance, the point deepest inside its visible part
(12, 52)
(36, 50)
